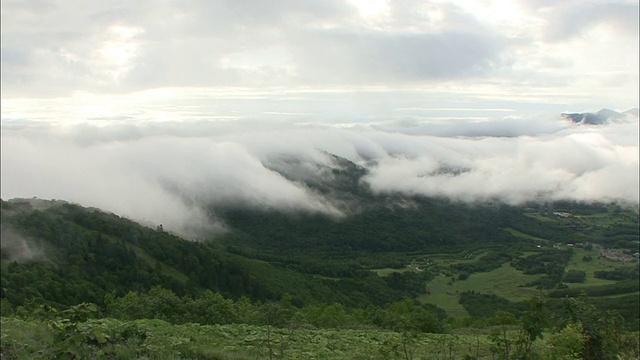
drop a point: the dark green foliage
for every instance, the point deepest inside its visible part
(331, 316)
(620, 287)
(602, 331)
(488, 262)
(486, 305)
(544, 262)
(408, 315)
(431, 226)
(624, 273)
(549, 262)
(534, 321)
(579, 208)
(574, 276)
(627, 306)
(163, 304)
(412, 283)
(94, 255)
(213, 308)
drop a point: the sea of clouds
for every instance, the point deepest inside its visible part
(175, 172)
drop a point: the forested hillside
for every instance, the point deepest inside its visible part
(86, 254)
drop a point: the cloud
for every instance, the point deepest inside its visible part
(576, 18)
(582, 164)
(373, 57)
(56, 48)
(154, 178)
(179, 173)
(507, 126)
(91, 176)
(16, 247)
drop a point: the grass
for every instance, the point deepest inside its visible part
(519, 234)
(503, 281)
(543, 218)
(24, 339)
(589, 267)
(433, 261)
(28, 339)
(609, 219)
(387, 271)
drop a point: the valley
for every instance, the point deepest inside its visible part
(458, 266)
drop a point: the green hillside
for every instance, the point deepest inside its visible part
(90, 254)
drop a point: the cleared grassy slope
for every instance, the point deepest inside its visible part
(503, 281)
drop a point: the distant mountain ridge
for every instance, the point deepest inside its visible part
(602, 117)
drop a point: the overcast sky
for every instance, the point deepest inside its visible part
(330, 59)
(159, 99)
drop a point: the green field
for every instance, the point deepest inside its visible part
(596, 264)
(503, 281)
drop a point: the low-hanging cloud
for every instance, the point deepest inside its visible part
(176, 173)
(577, 163)
(20, 248)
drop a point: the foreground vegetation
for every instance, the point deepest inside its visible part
(242, 330)
(157, 339)
(435, 280)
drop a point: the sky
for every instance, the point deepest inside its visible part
(151, 109)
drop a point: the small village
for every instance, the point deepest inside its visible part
(619, 255)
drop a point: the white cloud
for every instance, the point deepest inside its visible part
(583, 164)
(17, 247)
(175, 173)
(523, 48)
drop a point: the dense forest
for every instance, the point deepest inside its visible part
(72, 273)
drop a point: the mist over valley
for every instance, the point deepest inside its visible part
(177, 174)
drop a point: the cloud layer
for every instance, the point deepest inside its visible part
(162, 175)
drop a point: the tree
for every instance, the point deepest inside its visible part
(568, 343)
(502, 343)
(211, 308)
(602, 331)
(246, 312)
(275, 314)
(532, 324)
(574, 276)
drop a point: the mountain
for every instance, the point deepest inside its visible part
(62, 254)
(602, 117)
(330, 176)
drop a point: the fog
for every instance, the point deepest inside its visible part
(177, 173)
(16, 247)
